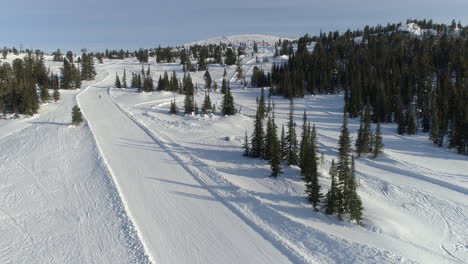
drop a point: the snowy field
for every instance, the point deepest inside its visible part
(137, 184)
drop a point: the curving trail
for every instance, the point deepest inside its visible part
(177, 218)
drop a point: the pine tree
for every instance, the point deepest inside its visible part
(207, 106)
(291, 138)
(173, 108)
(239, 72)
(228, 106)
(45, 95)
(283, 144)
(208, 80)
(274, 149)
(124, 79)
(304, 142)
(257, 139)
(117, 81)
(225, 83)
(334, 194)
(246, 145)
(270, 134)
(350, 202)
(343, 169)
(77, 118)
(435, 127)
(56, 95)
(261, 104)
(411, 127)
(310, 169)
(363, 140)
(353, 201)
(378, 141)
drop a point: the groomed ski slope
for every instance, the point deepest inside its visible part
(58, 201)
(178, 219)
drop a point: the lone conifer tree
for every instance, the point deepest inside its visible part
(77, 118)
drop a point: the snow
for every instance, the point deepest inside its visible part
(414, 29)
(237, 39)
(137, 184)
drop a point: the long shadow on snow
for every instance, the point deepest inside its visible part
(51, 123)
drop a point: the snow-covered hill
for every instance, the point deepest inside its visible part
(237, 39)
(136, 184)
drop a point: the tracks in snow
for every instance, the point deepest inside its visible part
(313, 246)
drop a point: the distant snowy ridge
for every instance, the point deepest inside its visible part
(415, 29)
(237, 39)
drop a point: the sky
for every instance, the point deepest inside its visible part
(132, 24)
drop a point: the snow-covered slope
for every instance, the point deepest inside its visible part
(182, 182)
(414, 29)
(237, 39)
(58, 201)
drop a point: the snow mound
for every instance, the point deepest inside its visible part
(416, 30)
(412, 28)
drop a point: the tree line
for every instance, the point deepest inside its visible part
(417, 81)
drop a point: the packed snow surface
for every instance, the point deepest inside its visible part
(137, 184)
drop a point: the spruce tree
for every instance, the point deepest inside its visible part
(124, 79)
(261, 104)
(334, 194)
(292, 152)
(117, 84)
(245, 146)
(283, 144)
(378, 141)
(310, 169)
(274, 149)
(173, 108)
(350, 202)
(258, 138)
(353, 201)
(56, 95)
(77, 118)
(364, 138)
(45, 95)
(208, 80)
(228, 106)
(304, 141)
(343, 169)
(207, 106)
(411, 127)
